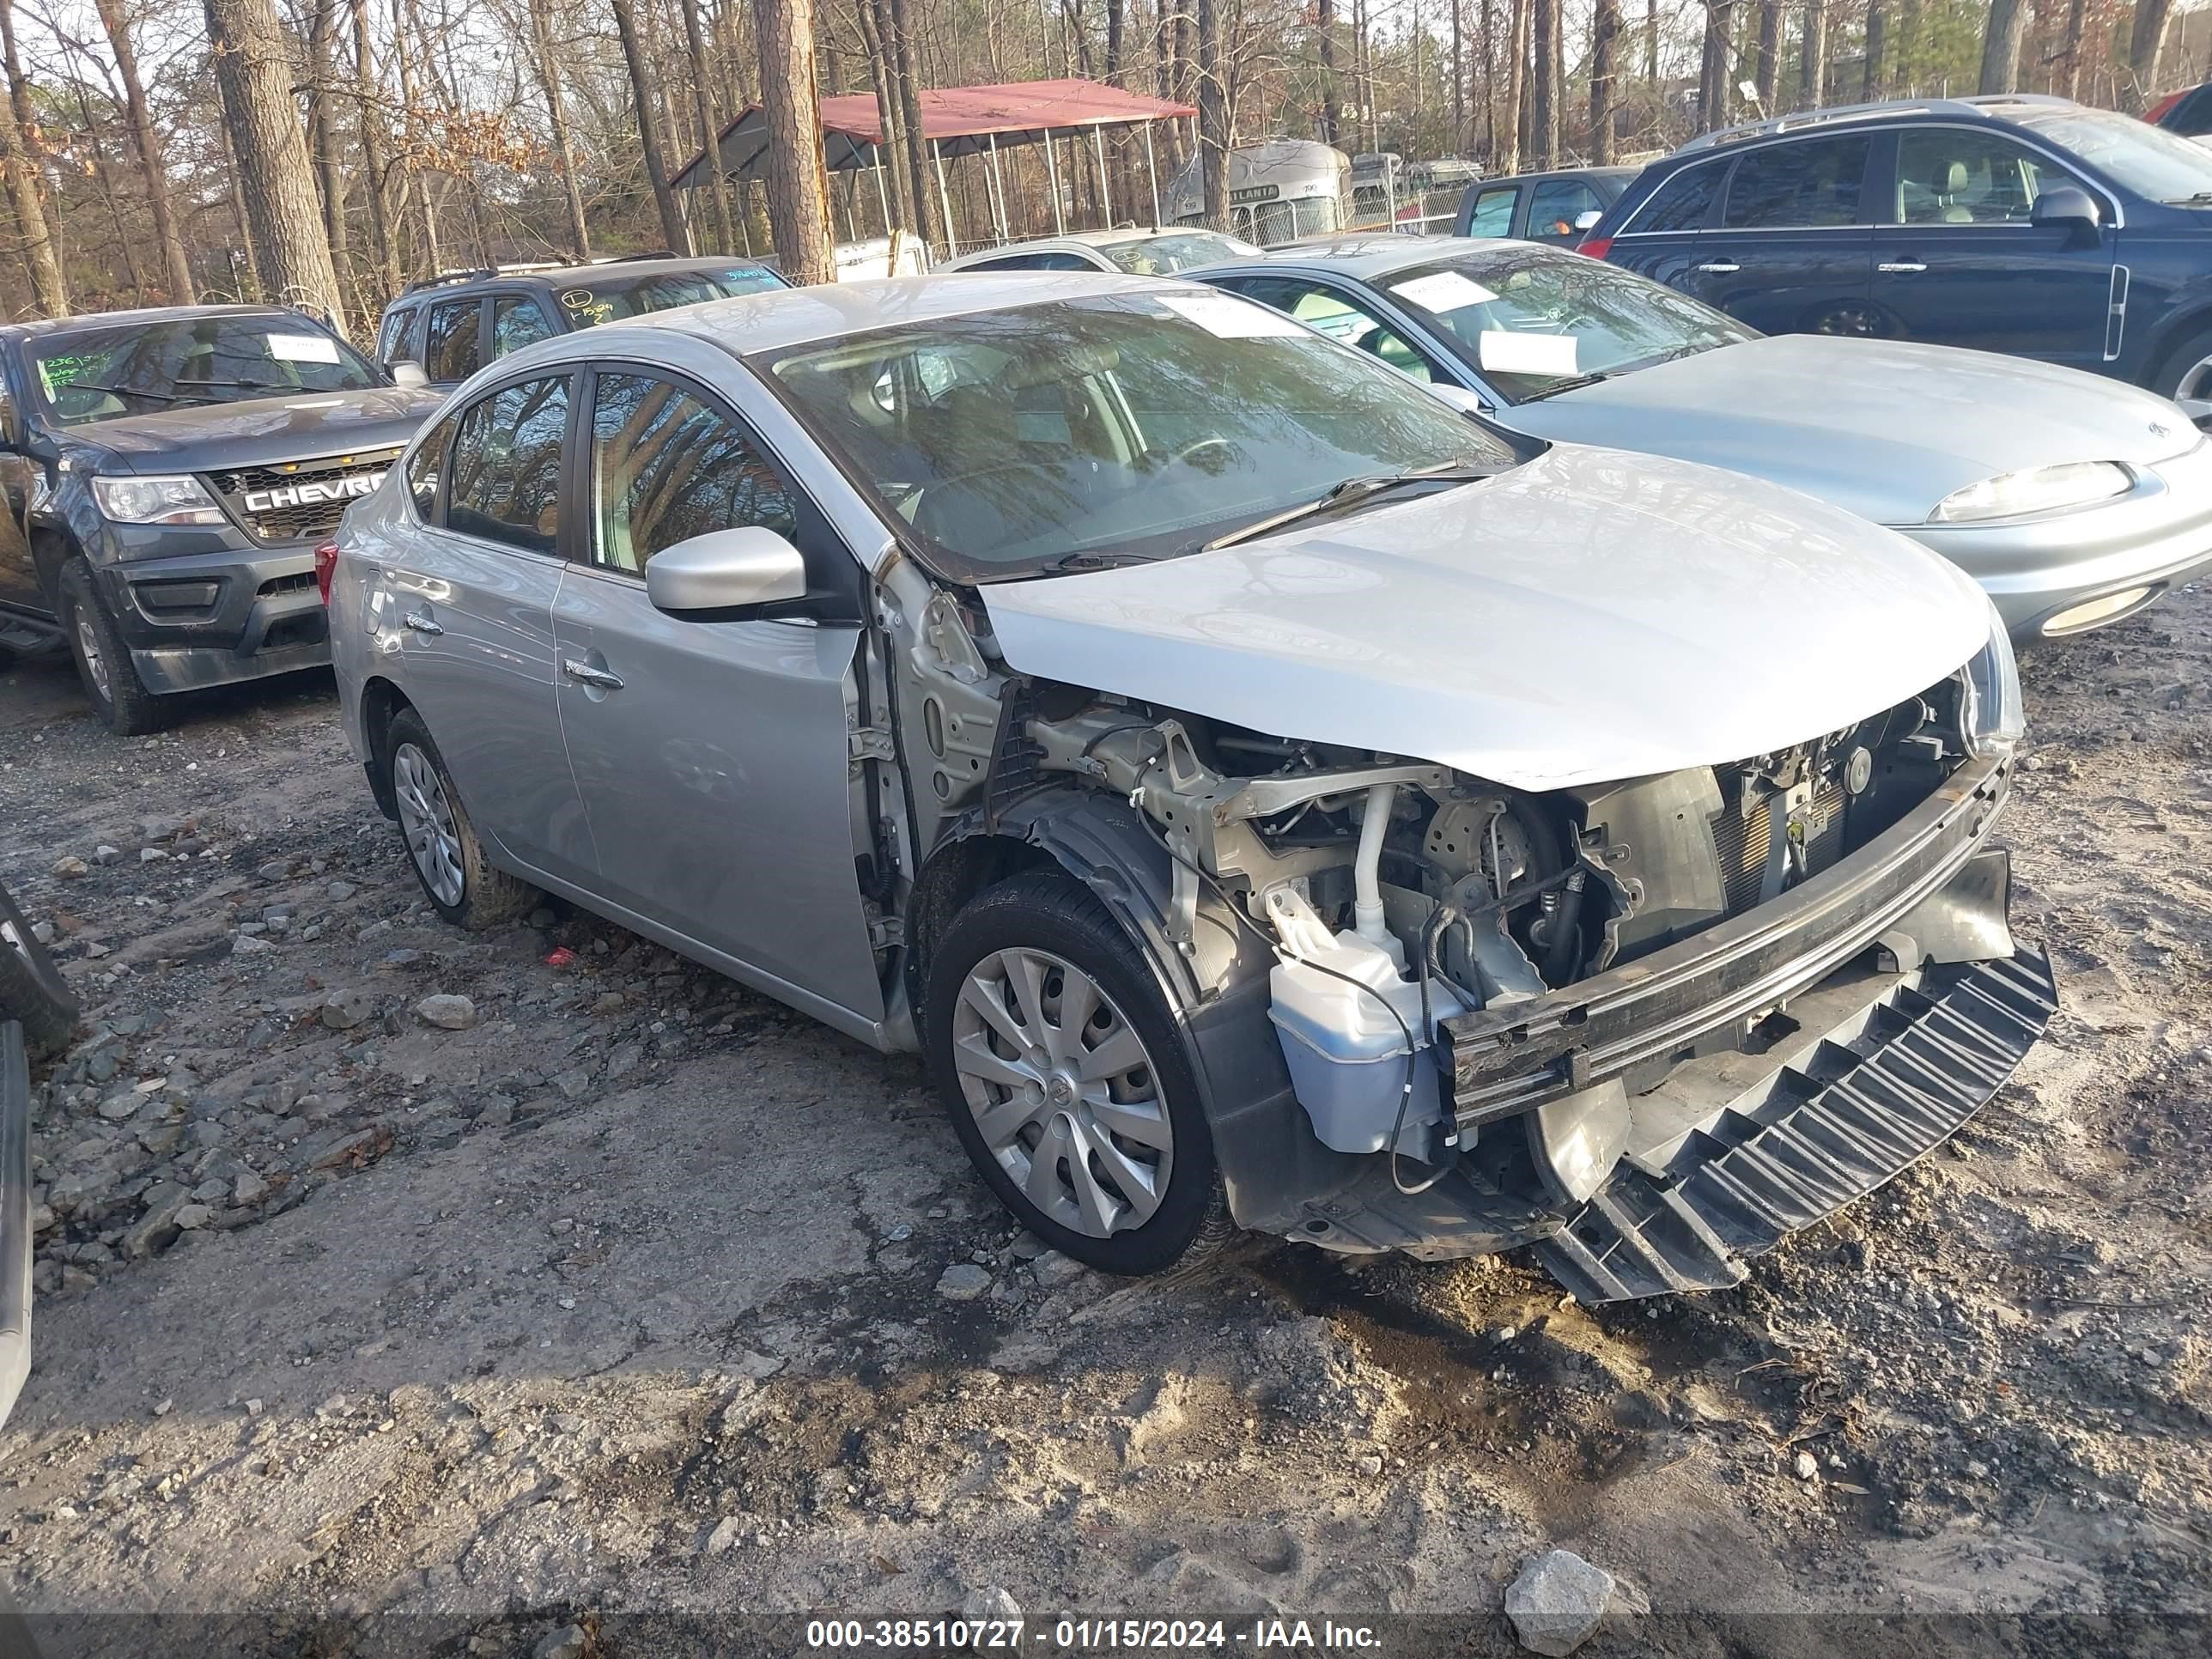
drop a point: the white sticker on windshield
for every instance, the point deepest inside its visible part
(1509, 353)
(1228, 317)
(303, 348)
(1443, 290)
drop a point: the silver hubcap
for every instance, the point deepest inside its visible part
(426, 820)
(2194, 392)
(1062, 1092)
(14, 941)
(95, 667)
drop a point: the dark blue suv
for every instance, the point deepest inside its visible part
(2017, 223)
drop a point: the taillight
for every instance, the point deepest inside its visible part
(1596, 246)
(2156, 113)
(326, 566)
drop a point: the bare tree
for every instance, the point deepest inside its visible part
(1605, 28)
(1813, 57)
(2077, 13)
(26, 185)
(644, 94)
(322, 135)
(798, 198)
(1506, 146)
(1767, 75)
(695, 38)
(2000, 45)
(2146, 43)
(1324, 28)
(276, 185)
(148, 143)
(1713, 66)
(1545, 91)
(915, 140)
(1875, 76)
(1212, 116)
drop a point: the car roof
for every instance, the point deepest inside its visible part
(1555, 172)
(146, 317)
(1365, 257)
(1076, 239)
(770, 321)
(1990, 107)
(460, 282)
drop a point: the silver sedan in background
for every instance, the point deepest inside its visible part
(2073, 500)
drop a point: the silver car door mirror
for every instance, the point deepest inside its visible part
(725, 570)
(409, 376)
(1467, 402)
(1587, 220)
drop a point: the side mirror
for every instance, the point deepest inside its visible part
(1468, 403)
(725, 570)
(409, 376)
(2067, 205)
(1587, 220)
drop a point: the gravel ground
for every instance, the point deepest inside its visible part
(623, 1306)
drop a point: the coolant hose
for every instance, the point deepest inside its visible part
(1367, 867)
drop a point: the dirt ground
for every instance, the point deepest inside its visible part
(613, 1322)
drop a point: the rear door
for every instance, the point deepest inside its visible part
(712, 757)
(1554, 204)
(1663, 237)
(19, 578)
(1794, 251)
(454, 340)
(1957, 261)
(474, 596)
(1488, 210)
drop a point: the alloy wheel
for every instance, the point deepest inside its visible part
(2193, 391)
(426, 818)
(95, 665)
(1063, 1092)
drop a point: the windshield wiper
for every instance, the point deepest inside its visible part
(1069, 564)
(119, 390)
(1352, 492)
(2202, 198)
(248, 386)
(1572, 383)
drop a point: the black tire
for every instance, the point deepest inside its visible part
(487, 896)
(112, 685)
(32, 989)
(1047, 911)
(2185, 356)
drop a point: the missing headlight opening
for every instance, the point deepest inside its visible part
(1433, 935)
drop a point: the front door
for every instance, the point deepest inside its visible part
(1794, 249)
(474, 616)
(19, 579)
(711, 756)
(1960, 263)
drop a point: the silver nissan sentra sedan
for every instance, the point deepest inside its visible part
(2074, 500)
(1257, 789)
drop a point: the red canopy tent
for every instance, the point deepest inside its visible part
(956, 121)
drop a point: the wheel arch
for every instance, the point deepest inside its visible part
(2193, 317)
(381, 703)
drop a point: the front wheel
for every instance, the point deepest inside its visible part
(32, 989)
(442, 845)
(1056, 1055)
(2186, 375)
(103, 659)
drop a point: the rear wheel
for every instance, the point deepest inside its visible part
(2185, 376)
(32, 989)
(103, 659)
(442, 845)
(1068, 1083)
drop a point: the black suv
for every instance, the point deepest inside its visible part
(2014, 223)
(453, 324)
(166, 475)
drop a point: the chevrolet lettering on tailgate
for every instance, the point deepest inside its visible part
(306, 493)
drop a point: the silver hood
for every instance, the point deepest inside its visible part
(1883, 427)
(1589, 617)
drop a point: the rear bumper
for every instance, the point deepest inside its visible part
(15, 1215)
(201, 619)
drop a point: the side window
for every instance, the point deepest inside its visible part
(1958, 176)
(1685, 202)
(505, 481)
(1556, 203)
(517, 320)
(666, 467)
(454, 352)
(1344, 318)
(1809, 184)
(391, 332)
(1493, 212)
(425, 467)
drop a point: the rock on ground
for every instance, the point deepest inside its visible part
(1557, 1602)
(964, 1281)
(448, 1013)
(989, 1602)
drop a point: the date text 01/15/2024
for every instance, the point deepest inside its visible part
(1086, 1635)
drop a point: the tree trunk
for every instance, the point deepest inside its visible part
(1605, 27)
(1712, 69)
(1547, 88)
(548, 65)
(695, 38)
(104, 181)
(2071, 83)
(1506, 159)
(148, 143)
(906, 85)
(1875, 76)
(891, 153)
(372, 151)
(413, 181)
(2000, 45)
(1212, 117)
(284, 216)
(26, 183)
(1813, 57)
(322, 134)
(797, 199)
(1332, 109)
(1651, 46)
(644, 95)
(2145, 42)
(1766, 75)
(1458, 81)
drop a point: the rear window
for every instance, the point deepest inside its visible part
(1683, 202)
(1807, 185)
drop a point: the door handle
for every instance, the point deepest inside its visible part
(1900, 267)
(420, 624)
(1721, 267)
(577, 670)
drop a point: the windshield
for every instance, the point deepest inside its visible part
(1136, 425)
(2147, 159)
(1164, 256)
(87, 374)
(610, 299)
(1529, 319)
